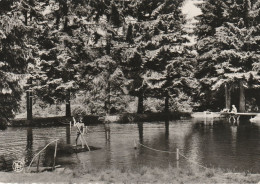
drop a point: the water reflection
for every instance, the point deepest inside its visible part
(107, 131)
(141, 131)
(68, 141)
(108, 156)
(29, 146)
(221, 144)
(166, 129)
(233, 138)
(167, 141)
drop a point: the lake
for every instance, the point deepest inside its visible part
(217, 144)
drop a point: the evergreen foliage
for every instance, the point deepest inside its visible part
(110, 51)
(164, 62)
(15, 53)
(228, 44)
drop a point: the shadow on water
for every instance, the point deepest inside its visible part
(68, 135)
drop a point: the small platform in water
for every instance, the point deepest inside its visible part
(206, 114)
(41, 169)
(78, 149)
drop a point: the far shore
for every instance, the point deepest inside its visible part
(95, 119)
(124, 175)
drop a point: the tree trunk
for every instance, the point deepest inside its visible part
(108, 46)
(25, 17)
(166, 104)
(68, 111)
(108, 99)
(29, 104)
(57, 19)
(227, 97)
(31, 16)
(66, 20)
(242, 101)
(140, 108)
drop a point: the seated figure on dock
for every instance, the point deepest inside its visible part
(233, 113)
(234, 109)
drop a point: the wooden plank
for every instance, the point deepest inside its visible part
(242, 113)
(247, 114)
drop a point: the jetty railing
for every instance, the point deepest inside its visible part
(38, 155)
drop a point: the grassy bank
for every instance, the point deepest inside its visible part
(139, 175)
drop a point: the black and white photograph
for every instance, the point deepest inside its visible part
(129, 91)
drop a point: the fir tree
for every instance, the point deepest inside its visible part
(14, 55)
(159, 39)
(228, 49)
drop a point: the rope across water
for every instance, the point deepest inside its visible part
(156, 149)
(189, 160)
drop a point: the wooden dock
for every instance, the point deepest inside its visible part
(239, 114)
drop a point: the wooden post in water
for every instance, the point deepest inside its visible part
(177, 154)
(177, 158)
(55, 153)
(38, 163)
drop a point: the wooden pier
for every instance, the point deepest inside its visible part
(239, 114)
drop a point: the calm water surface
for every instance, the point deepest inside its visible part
(217, 144)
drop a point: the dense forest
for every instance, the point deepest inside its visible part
(105, 56)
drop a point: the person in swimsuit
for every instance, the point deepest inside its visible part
(81, 129)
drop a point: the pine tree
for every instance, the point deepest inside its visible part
(159, 38)
(108, 76)
(14, 55)
(62, 52)
(228, 48)
(70, 59)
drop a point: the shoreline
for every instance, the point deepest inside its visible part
(95, 119)
(124, 175)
